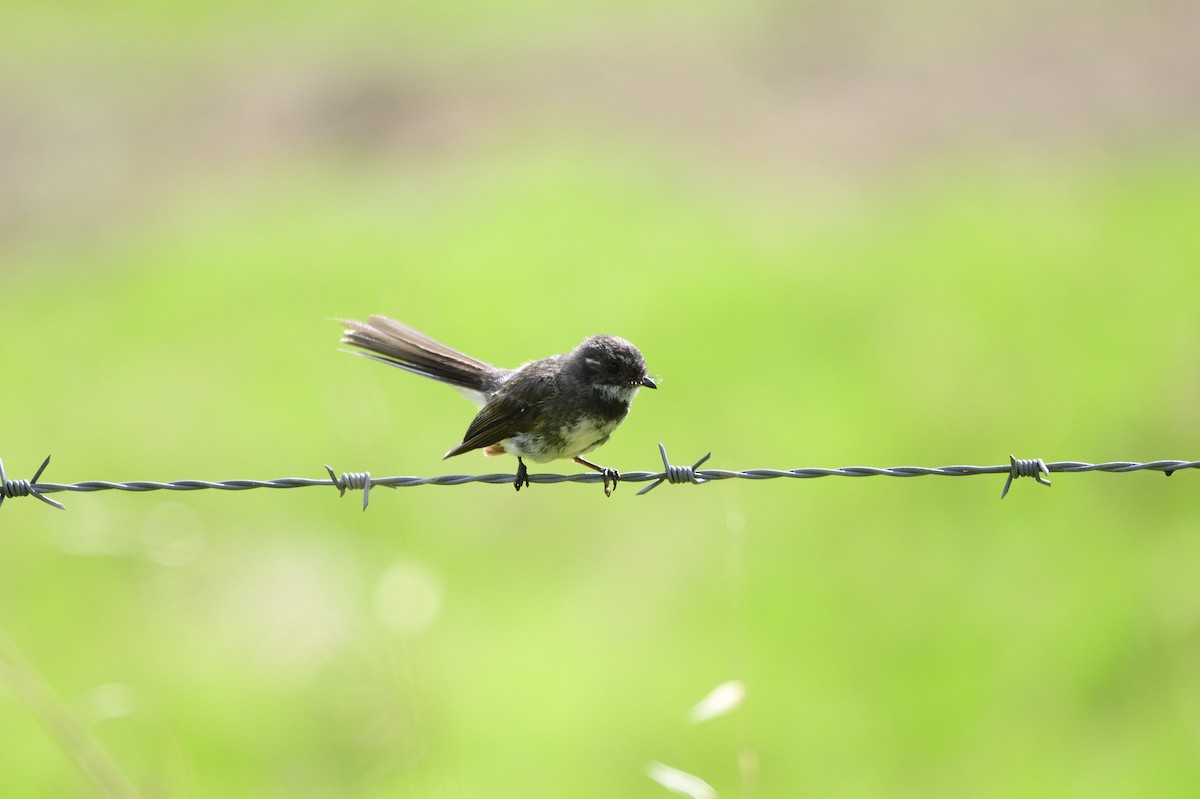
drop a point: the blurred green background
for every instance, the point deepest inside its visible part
(842, 234)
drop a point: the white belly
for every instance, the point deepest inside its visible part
(572, 440)
(584, 436)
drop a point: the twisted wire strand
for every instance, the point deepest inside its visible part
(1017, 468)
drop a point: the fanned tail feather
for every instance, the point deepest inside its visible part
(397, 344)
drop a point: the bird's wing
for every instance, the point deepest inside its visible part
(517, 407)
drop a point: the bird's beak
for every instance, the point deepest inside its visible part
(648, 383)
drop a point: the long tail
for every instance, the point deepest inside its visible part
(397, 344)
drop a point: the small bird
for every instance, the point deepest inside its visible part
(558, 407)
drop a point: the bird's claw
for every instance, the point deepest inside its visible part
(611, 476)
(522, 475)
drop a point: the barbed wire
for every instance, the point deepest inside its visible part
(1036, 468)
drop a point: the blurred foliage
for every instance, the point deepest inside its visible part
(896, 637)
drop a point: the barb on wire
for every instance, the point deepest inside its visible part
(352, 480)
(25, 488)
(676, 474)
(1028, 467)
(1036, 467)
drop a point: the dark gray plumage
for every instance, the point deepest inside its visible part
(562, 406)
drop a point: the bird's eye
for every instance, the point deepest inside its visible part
(612, 368)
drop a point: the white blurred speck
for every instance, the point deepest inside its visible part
(680, 782)
(107, 701)
(720, 700)
(735, 520)
(407, 598)
(172, 534)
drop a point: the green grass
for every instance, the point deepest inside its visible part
(897, 637)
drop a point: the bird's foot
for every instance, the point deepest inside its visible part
(522, 475)
(611, 476)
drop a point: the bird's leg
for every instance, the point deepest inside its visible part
(522, 474)
(610, 475)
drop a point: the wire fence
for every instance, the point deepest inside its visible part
(1036, 468)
